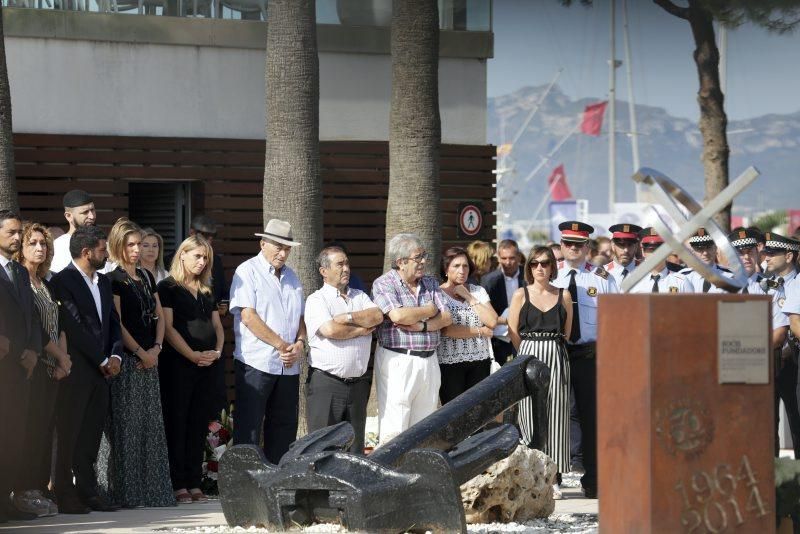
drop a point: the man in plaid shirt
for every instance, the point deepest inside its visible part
(406, 366)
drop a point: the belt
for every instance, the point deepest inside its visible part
(339, 378)
(584, 351)
(409, 352)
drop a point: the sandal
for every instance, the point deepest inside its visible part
(183, 497)
(197, 495)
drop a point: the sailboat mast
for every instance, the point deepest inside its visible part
(612, 97)
(634, 133)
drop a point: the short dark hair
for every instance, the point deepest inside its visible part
(538, 251)
(324, 256)
(204, 223)
(8, 214)
(85, 237)
(451, 254)
(507, 243)
(336, 244)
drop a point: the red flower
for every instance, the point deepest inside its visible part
(224, 435)
(212, 466)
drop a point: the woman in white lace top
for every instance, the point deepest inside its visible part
(465, 350)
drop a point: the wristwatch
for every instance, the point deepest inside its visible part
(349, 317)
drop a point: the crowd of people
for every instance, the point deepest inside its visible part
(117, 365)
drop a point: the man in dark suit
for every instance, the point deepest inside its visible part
(500, 285)
(20, 342)
(94, 341)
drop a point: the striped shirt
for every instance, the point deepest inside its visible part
(345, 358)
(47, 309)
(390, 292)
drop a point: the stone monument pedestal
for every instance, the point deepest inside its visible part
(685, 414)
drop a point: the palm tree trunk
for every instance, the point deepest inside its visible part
(713, 120)
(292, 184)
(8, 181)
(414, 126)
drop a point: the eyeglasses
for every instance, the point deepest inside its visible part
(572, 244)
(419, 258)
(533, 264)
(649, 248)
(701, 246)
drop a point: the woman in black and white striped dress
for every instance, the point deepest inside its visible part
(539, 321)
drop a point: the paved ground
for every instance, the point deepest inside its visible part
(190, 516)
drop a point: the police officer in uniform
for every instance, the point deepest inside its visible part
(781, 257)
(661, 279)
(624, 246)
(745, 242)
(704, 248)
(585, 283)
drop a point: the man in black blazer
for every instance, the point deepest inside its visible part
(500, 285)
(20, 343)
(94, 341)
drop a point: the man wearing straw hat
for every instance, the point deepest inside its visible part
(267, 306)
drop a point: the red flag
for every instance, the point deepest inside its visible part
(593, 118)
(794, 221)
(557, 182)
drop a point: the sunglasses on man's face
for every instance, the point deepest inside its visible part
(649, 248)
(625, 242)
(534, 264)
(701, 246)
(572, 244)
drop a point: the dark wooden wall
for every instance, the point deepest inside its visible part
(226, 177)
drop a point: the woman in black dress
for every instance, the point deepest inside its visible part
(188, 365)
(539, 321)
(139, 465)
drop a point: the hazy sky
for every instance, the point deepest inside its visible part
(533, 38)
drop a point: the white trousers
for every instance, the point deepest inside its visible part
(408, 390)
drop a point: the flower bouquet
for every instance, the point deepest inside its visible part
(220, 437)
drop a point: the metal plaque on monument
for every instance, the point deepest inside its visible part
(685, 392)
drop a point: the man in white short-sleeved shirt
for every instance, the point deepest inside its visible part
(339, 322)
(78, 211)
(267, 307)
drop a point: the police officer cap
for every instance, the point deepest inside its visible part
(780, 243)
(650, 236)
(625, 231)
(575, 231)
(743, 237)
(701, 236)
(77, 197)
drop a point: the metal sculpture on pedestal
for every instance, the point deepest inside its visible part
(409, 484)
(670, 196)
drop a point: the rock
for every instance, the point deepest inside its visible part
(517, 488)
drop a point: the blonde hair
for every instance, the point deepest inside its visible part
(178, 271)
(480, 252)
(118, 237)
(28, 228)
(147, 232)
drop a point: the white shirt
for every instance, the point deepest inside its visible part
(668, 282)
(473, 349)
(512, 284)
(345, 358)
(590, 285)
(616, 269)
(698, 281)
(61, 254)
(6, 263)
(279, 303)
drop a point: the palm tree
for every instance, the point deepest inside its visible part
(292, 183)
(414, 126)
(8, 181)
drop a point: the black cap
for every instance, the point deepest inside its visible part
(575, 231)
(701, 236)
(779, 242)
(743, 237)
(77, 197)
(625, 231)
(649, 236)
